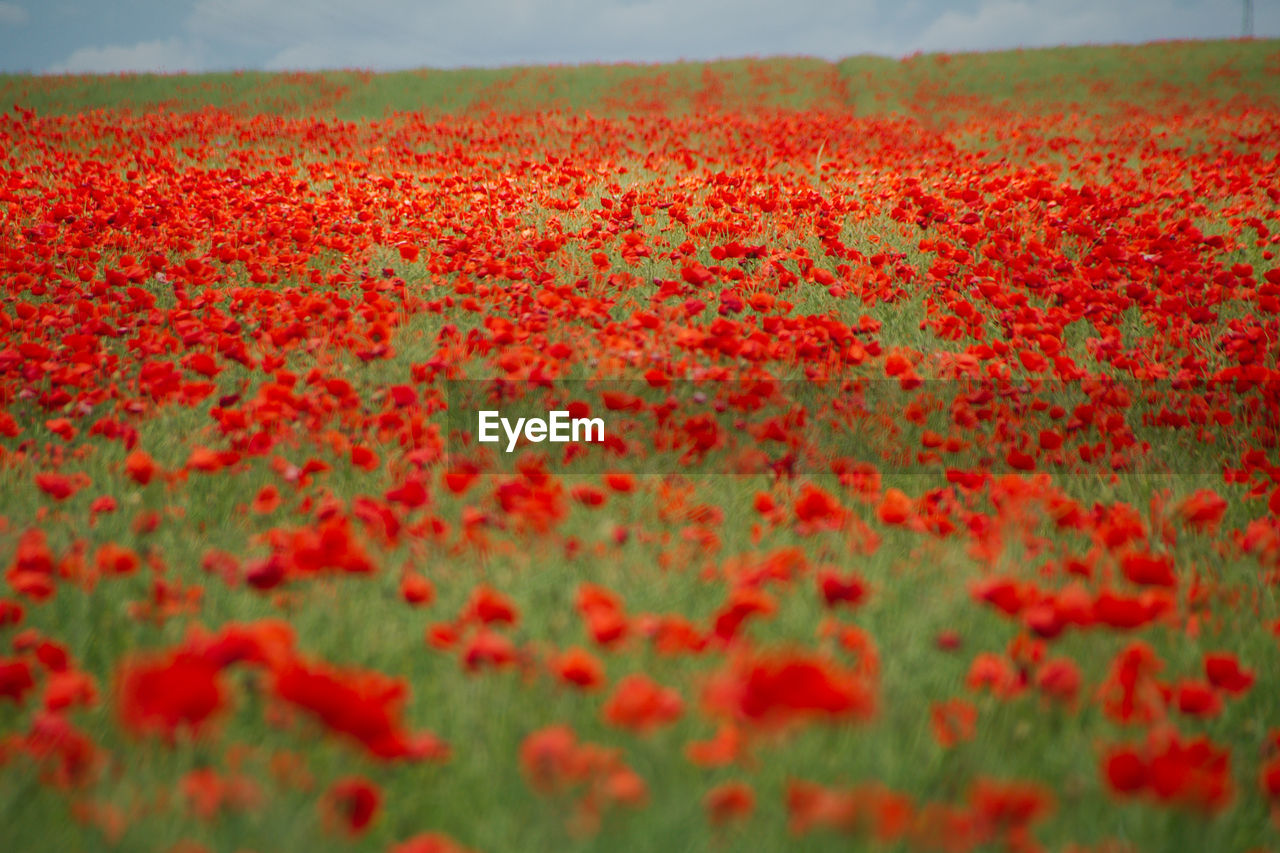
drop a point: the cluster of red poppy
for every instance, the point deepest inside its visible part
(232, 346)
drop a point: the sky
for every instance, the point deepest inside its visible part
(75, 36)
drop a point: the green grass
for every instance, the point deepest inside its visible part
(1086, 79)
(919, 583)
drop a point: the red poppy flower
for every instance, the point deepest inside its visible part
(351, 804)
(579, 668)
(729, 801)
(954, 721)
(1224, 672)
(640, 703)
(778, 689)
(15, 680)
(162, 694)
(429, 842)
(362, 705)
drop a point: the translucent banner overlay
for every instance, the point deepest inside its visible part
(754, 426)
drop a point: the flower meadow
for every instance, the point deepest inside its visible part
(938, 506)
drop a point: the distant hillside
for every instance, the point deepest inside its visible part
(1068, 78)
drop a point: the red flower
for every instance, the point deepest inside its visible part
(207, 793)
(415, 589)
(1224, 672)
(835, 589)
(488, 606)
(60, 486)
(1202, 510)
(640, 703)
(948, 640)
(205, 460)
(1125, 770)
(267, 500)
(62, 750)
(162, 694)
(778, 689)
(895, 507)
(729, 801)
(31, 573)
(725, 748)
(429, 842)
(554, 762)
(1004, 808)
(579, 668)
(363, 705)
(412, 493)
(995, 673)
(1130, 693)
(351, 804)
(488, 648)
(113, 559)
(15, 680)
(743, 602)
(549, 758)
(330, 545)
(817, 508)
(620, 482)
(602, 610)
(140, 467)
(267, 642)
(1126, 612)
(1271, 779)
(810, 805)
(1059, 679)
(1149, 569)
(1193, 773)
(954, 721)
(69, 689)
(1198, 699)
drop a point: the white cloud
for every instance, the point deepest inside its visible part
(165, 55)
(399, 33)
(12, 15)
(998, 24)
(391, 34)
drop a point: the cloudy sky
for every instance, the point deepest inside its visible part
(196, 35)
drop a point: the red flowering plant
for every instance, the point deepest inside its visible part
(933, 502)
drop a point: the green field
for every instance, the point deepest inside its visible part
(1079, 79)
(263, 285)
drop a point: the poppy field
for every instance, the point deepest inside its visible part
(937, 507)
